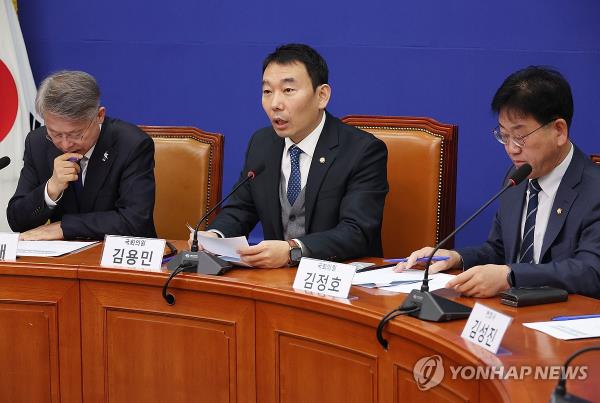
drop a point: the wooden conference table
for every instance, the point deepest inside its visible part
(73, 331)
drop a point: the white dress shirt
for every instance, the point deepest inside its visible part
(307, 145)
(549, 185)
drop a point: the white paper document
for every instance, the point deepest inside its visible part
(568, 329)
(226, 248)
(50, 248)
(436, 282)
(405, 281)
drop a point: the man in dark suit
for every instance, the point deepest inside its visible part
(322, 190)
(547, 229)
(88, 174)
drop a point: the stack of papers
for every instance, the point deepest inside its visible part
(405, 281)
(568, 329)
(225, 248)
(50, 248)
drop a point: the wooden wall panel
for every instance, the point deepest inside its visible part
(29, 350)
(40, 340)
(303, 356)
(138, 348)
(309, 368)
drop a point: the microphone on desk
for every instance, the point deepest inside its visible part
(4, 162)
(560, 394)
(196, 261)
(425, 305)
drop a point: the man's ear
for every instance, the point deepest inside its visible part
(324, 93)
(562, 131)
(101, 114)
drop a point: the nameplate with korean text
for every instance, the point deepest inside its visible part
(486, 327)
(8, 246)
(132, 252)
(324, 277)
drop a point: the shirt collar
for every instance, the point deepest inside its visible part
(88, 155)
(309, 143)
(550, 182)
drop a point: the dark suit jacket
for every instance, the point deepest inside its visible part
(344, 195)
(570, 256)
(118, 196)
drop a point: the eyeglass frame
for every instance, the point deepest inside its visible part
(515, 140)
(74, 139)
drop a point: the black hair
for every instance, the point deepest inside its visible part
(300, 53)
(538, 91)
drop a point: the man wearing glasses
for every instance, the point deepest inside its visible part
(547, 229)
(86, 173)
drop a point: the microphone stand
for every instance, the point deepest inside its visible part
(196, 261)
(427, 306)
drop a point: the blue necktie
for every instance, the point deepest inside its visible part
(294, 183)
(526, 255)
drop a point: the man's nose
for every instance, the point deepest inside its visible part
(277, 102)
(512, 148)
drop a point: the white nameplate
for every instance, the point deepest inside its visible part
(323, 277)
(486, 327)
(132, 252)
(8, 246)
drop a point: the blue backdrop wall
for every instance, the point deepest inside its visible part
(198, 63)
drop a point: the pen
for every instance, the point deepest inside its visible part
(369, 268)
(421, 259)
(388, 284)
(559, 318)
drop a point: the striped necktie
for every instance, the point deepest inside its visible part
(526, 253)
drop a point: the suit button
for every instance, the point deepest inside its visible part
(292, 218)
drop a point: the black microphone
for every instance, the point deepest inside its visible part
(4, 162)
(199, 261)
(434, 308)
(249, 176)
(560, 394)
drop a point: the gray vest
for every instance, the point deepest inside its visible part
(292, 217)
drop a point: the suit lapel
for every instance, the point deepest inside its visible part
(513, 205)
(324, 156)
(98, 167)
(565, 196)
(270, 182)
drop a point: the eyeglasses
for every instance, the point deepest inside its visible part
(519, 141)
(73, 138)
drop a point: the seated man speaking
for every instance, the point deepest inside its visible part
(88, 174)
(323, 187)
(547, 230)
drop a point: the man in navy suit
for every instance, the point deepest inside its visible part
(322, 190)
(86, 173)
(547, 229)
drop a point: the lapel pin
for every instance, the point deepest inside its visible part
(559, 211)
(322, 160)
(105, 157)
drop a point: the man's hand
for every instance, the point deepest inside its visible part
(207, 234)
(65, 171)
(267, 254)
(481, 281)
(47, 232)
(453, 262)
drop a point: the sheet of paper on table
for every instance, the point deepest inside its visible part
(51, 248)
(568, 329)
